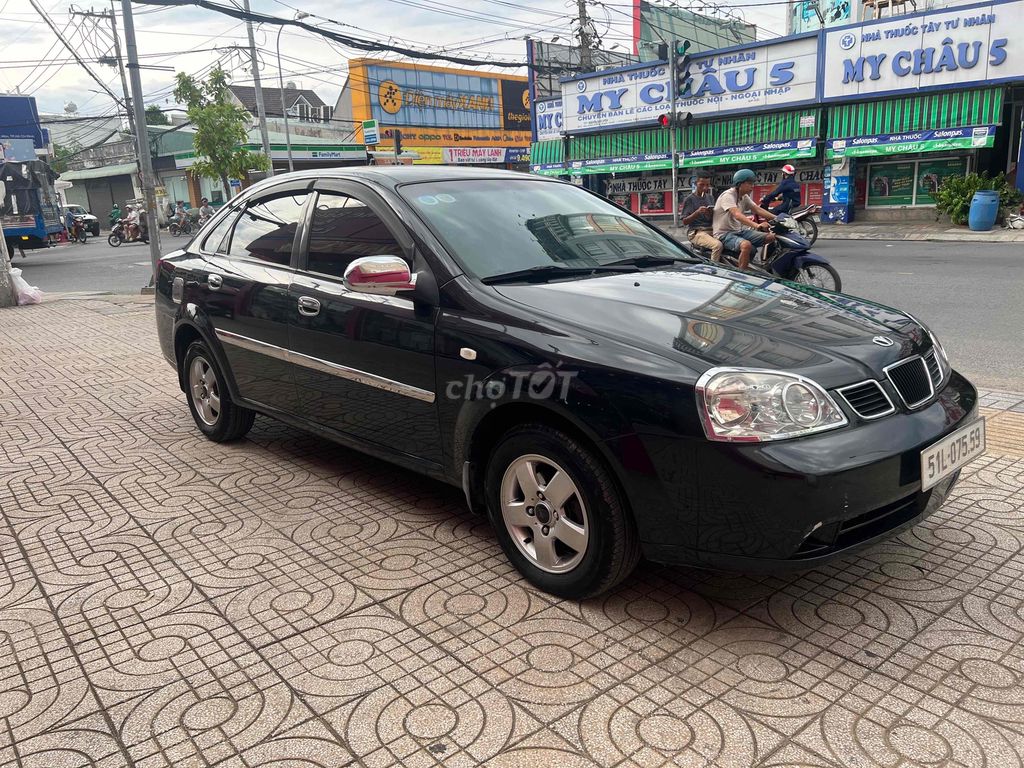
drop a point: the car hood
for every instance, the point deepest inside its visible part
(704, 316)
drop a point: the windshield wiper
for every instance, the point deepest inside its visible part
(547, 271)
(648, 260)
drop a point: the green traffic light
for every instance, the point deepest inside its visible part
(683, 47)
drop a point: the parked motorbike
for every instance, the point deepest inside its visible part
(790, 258)
(806, 217)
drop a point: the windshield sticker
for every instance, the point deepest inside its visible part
(445, 198)
(427, 199)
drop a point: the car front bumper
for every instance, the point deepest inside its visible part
(796, 503)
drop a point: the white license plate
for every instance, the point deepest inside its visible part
(952, 452)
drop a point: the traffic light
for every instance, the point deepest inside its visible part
(684, 80)
(663, 51)
(398, 142)
(665, 120)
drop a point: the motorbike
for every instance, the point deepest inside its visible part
(77, 230)
(119, 234)
(806, 218)
(790, 258)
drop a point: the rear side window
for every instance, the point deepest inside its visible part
(344, 229)
(266, 228)
(216, 241)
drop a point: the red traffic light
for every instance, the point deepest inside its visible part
(663, 121)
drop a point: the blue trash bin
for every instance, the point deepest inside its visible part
(984, 210)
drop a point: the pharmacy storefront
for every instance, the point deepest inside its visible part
(875, 116)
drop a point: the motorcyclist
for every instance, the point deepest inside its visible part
(133, 222)
(205, 210)
(696, 213)
(733, 224)
(115, 214)
(179, 213)
(788, 189)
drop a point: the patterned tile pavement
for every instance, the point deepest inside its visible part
(165, 601)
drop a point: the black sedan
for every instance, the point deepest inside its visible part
(594, 388)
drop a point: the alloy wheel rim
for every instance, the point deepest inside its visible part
(205, 391)
(544, 513)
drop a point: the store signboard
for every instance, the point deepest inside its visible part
(616, 98)
(473, 155)
(751, 153)
(970, 137)
(549, 119)
(949, 48)
(755, 77)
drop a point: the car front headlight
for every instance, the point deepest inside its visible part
(750, 406)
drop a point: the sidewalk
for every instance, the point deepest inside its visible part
(888, 231)
(283, 601)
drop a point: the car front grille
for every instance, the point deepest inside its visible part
(868, 399)
(912, 381)
(934, 370)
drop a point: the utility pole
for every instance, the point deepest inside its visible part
(585, 60)
(673, 149)
(142, 136)
(118, 62)
(120, 68)
(260, 109)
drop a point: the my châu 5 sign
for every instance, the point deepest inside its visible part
(976, 44)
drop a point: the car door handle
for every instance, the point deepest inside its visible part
(308, 306)
(214, 281)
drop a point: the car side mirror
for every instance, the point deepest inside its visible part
(379, 275)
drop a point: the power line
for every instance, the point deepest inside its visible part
(74, 53)
(347, 40)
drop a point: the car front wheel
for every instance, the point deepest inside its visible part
(214, 411)
(558, 513)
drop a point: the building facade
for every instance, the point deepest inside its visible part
(874, 115)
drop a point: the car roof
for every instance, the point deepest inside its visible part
(396, 175)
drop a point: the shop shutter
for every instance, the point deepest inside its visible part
(923, 112)
(752, 129)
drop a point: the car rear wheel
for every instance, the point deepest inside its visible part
(558, 513)
(214, 411)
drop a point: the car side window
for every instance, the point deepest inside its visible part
(343, 229)
(216, 241)
(266, 228)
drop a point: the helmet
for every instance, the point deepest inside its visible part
(789, 170)
(744, 174)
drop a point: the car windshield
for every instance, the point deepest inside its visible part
(494, 227)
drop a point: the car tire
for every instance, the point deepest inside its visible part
(590, 542)
(95, 231)
(215, 413)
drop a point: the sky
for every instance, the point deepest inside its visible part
(192, 39)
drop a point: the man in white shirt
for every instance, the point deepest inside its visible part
(733, 224)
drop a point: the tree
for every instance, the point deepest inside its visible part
(155, 116)
(220, 128)
(62, 153)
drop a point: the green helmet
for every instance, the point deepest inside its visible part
(744, 174)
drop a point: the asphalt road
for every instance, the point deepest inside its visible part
(93, 267)
(971, 295)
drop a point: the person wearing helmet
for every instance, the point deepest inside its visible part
(788, 189)
(733, 224)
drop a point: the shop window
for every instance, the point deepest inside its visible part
(910, 182)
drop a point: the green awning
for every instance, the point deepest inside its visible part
(546, 152)
(927, 111)
(760, 128)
